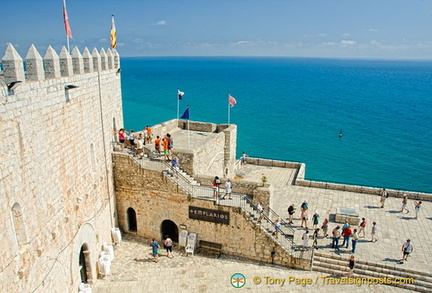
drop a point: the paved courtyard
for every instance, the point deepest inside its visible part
(202, 274)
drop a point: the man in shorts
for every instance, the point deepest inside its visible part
(407, 248)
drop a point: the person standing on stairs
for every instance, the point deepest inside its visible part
(260, 209)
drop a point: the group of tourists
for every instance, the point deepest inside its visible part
(216, 183)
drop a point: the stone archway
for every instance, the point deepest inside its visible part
(168, 227)
(131, 220)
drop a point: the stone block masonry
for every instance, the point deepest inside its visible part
(56, 184)
(154, 199)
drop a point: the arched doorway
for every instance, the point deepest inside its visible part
(131, 217)
(84, 264)
(168, 227)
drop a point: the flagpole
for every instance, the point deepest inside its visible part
(178, 104)
(229, 109)
(67, 42)
(188, 136)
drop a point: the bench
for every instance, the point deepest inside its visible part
(211, 247)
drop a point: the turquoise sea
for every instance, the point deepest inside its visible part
(294, 109)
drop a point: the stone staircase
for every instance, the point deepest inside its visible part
(338, 266)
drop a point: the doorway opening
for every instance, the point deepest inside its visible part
(168, 227)
(131, 217)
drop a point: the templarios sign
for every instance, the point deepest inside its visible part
(208, 215)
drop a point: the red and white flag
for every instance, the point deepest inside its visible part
(66, 21)
(231, 100)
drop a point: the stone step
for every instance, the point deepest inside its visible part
(377, 265)
(412, 287)
(335, 266)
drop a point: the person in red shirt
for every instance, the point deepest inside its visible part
(346, 233)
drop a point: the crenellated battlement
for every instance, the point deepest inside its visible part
(53, 65)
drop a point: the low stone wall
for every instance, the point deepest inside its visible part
(301, 181)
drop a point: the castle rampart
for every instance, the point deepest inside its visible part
(57, 117)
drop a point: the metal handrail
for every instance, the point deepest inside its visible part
(283, 223)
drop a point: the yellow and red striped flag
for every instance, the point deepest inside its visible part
(113, 33)
(66, 21)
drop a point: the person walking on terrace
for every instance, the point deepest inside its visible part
(404, 203)
(407, 248)
(228, 191)
(243, 158)
(417, 207)
(121, 136)
(324, 227)
(336, 233)
(362, 227)
(384, 196)
(291, 211)
(216, 183)
(168, 243)
(315, 219)
(346, 233)
(304, 218)
(373, 232)
(155, 247)
(355, 238)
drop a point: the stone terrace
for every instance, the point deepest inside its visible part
(394, 227)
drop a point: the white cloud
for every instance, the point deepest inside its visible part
(161, 22)
(322, 35)
(372, 30)
(342, 43)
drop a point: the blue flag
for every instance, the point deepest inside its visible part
(185, 114)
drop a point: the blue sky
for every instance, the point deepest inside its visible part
(390, 29)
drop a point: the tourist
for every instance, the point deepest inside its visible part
(175, 163)
(215, 183)
(362, 227)
(351, 264)
(260, 209)
(407, 248)
(346, 233)
(315, 219)
(170, 144)
(291, 211)
(304, 218)
(324, 227)
(355, 238)
(228, 190)
(315, 238)
(168, 243)
(277, 226)
(336, 233)
(373, 232)
(243, 158)
(384, 196)
(417, 206)
(145, 135)
(165, 148)
(155, 247)
(149, 134)
(404, 203)
(304, 205)
(305, 238)
(140, 146)
(157, 145)
(121, 137)
(132, 139)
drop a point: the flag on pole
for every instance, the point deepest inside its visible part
(113, 35)
(180, 94)
(185, 114)
(231, 100)
(66, 21)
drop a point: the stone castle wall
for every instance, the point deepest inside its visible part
(155, 199)
(56, 186)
